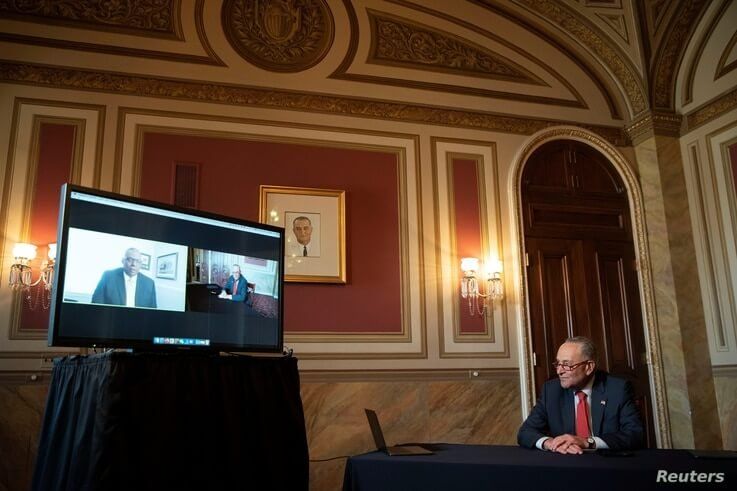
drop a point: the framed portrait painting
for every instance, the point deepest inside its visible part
(314, 223)
(166, 266)
(145, 261)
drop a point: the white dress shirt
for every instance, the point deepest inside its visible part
(130, 289)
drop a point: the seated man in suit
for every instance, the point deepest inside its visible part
(584, 409)
(126, 286)
(236, 285)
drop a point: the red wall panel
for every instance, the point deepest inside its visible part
(55, 153)
(230, 174)
(468, 230)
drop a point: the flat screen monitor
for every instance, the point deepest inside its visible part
(137, 274)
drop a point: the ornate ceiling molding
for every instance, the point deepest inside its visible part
(138, 85)
(279, 35)
(584, 34)
(660, 123)
(687, 97)
(723, 67)
(151, 17)
(712, 110)
(667, 58)
(210, 59)
(594, 74)
(400, 42)
(341, 72)
(617, 24)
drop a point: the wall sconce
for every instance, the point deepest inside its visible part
(21, 274)
(478, 302)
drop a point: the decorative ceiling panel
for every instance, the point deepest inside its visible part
(279, 35)
(400, 42)
(123, 35)
(152, 17)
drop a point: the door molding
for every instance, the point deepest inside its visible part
(645, 281)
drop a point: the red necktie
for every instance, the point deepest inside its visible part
(235, 286)
(582, 416)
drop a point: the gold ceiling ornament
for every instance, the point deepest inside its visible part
(400, 42)
(145, 15)
(279, 35)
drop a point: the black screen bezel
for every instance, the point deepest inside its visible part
(57, 338)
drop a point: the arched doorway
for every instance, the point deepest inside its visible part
(581, 264)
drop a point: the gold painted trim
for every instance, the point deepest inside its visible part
(403, 355)
(8, 179)
(431, 375)
(238, 95)
(267, 59)
(16, 330)
(199, 19)
(585, 34)
(724, 370)
(651, 123)
(637, 212)
(711, 110)
(109, 49)
(687, 97)
(699, 193)
(211, 58)
(341, 73)
(723, 241)
(669, 55)
(617, 23)
(265, 190)
(450, 157)
(505, 353)
(175, 33)
(614, 111)
(722, 67)
(405, 334)
(375, 15)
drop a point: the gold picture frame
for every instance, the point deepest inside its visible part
(314, 223)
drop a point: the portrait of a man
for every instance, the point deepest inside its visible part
(304, 239)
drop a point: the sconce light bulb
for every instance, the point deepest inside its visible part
(24, 251)
(52, 251)
(469, 264)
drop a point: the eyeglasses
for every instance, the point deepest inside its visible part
(566, 367)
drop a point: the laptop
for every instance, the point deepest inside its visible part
(373, 421)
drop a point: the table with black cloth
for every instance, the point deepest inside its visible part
(173, 421)
(498, 468)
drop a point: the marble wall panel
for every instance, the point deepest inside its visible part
(726, 388)
(671, 341)
(478, 411)
(21, 410)
(702, 397)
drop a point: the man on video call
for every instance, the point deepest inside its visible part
(584, 409)
(126, 286)
(236, 288)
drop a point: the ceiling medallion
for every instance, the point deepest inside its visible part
(279, 35)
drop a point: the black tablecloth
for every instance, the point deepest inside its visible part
(172, 421)
(497, 468)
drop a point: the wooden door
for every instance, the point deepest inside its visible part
(582, 273)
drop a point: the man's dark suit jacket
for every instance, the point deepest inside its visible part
(111, 289)
(242, 288)
(614, 416)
